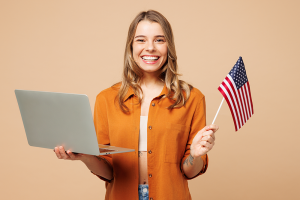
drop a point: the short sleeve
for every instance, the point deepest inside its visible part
(198, 122)
(102, 128)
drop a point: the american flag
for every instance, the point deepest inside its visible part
(235, 89)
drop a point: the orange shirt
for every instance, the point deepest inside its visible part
(169, 136)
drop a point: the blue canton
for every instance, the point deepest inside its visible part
(238, 73)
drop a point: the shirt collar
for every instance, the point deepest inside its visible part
(130, 93)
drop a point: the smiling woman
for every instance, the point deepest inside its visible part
(153, 112)
(150, 48)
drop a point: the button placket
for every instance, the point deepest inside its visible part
(150, 142)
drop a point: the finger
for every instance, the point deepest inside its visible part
(213, 127)
(56, 150)
(199, 135)
(208, 138)
(63, 153)
(209, 133)
(71, 154)
(204, 143)
(211, 140)
(206, 149)
(207, 145)
(206, 128)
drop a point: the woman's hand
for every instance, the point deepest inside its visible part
(61, 154)
(204, 141)
(95, 165)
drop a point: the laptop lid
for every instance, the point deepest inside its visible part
(55, 119)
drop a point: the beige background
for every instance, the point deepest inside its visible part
(77, 47)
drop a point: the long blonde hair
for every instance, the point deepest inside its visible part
(168, 72)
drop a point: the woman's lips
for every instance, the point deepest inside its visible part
(150, 62)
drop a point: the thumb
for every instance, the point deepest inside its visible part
(206, 128)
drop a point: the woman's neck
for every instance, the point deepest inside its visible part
(150, 81)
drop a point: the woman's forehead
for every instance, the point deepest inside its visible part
(148, 29)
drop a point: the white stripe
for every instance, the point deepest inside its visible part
(237, 94)
(247, 109)
(243, 102)
(236, 121)
(246, 86)
(235, 102)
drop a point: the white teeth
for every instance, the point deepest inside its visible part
(149, 58)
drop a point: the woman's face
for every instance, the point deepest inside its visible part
(149, 46)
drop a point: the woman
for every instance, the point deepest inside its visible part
(153, 112)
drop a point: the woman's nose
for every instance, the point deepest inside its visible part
(150, 47)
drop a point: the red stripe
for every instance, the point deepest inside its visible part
(249, 103)
(247, 100)
(228, 103)
(243, 104)
(250, 97)
(234, 107)
(237, 101)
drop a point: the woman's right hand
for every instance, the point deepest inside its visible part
(61, 154)
(95, 165)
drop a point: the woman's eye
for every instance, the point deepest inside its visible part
(140, 40)
(160, 40)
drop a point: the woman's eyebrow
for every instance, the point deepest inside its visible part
(145, 36)
(139, 36)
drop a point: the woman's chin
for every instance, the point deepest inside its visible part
(149, 68)
(150, 71)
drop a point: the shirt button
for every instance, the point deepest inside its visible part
(150, 127)
(153, 104)
(151, 198)
(150, 175)
(150, 151)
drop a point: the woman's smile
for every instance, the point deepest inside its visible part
(150, 59)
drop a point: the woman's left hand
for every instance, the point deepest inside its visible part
(204, 141)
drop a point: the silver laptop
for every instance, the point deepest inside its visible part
(55, 119)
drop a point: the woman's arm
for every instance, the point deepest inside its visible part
(99, 167)
(192, 166)
(95, 164)
(202, 143)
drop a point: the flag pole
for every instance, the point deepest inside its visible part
(218, 111)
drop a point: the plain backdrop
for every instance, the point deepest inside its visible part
(77, 46)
